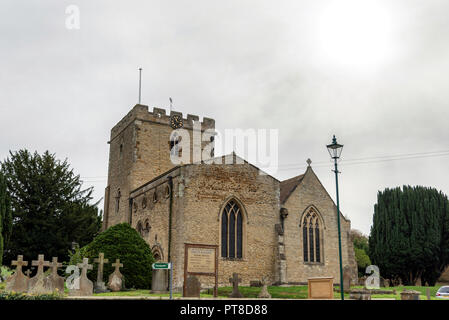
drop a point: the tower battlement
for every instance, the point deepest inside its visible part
(160, 116)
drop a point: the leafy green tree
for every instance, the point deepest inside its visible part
(49, 207)
(361, 248)
(409, 237)
(5, 217)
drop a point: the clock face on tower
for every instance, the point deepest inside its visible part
(176, 121)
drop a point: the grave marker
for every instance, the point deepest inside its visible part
(99, 284)
(18, 282)
(115, 282)
(235, 286)
(37, 284)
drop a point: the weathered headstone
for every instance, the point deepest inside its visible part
(115, 282)
(18, 282)
(86, 286)
(360, 294)
(264, 294)
(99, 284)
(37, 284)
(255, 283)
(54, 282)
(28, 272)
(410, 295)
(193, 287)
(159, 281)
(346, 278)
(428, 293)
(235, 286)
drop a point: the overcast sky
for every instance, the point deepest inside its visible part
(375, 73)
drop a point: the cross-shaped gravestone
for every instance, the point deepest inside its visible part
(18, 282)
(40, 263)
(38, 283)
(84, 267)
(28, 272)
(54, 281)
(115, 282)
(19, 263)
(99, 284)
(54, 265)
(235, 286)
(85, 285)
(117, 265)
(101, 261)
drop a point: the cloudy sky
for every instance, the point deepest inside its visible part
(375, 73)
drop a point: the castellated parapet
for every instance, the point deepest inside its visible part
(159, 116)
(139, 151)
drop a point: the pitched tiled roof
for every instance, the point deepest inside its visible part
(288, 186)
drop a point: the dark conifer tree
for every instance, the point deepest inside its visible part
(408, 238)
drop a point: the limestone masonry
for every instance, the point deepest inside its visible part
(285, 231)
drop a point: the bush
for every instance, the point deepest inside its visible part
(26, 296)
(124, 243)
(5, 272)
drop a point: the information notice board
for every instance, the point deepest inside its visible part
(201, 260)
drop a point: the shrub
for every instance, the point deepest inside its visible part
(5, 272)
(124, 243)
(25, 296)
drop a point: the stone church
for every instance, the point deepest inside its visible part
(263, 227)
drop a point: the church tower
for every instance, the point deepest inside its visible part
(139, 151)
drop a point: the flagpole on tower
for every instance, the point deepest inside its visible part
(140, 84)
(171, 103)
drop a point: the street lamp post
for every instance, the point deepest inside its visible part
(335, 151)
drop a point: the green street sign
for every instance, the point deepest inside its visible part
(161, 265)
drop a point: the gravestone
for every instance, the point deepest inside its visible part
(18, 282)
(115, 282)
(159, 281)
(410, 295)
(193, 287)
(235, 286)
(255, 283)
(54, 282)
(28, 272)
(264, 294)
(37, 284)
(86, 286)
(346, 278)
(360, 294)
(428, 293)
(99, 284)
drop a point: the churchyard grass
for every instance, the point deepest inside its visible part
(292, 292)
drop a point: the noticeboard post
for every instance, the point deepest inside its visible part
(201, 260)
(165, 266)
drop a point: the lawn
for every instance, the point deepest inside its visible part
(293, 292)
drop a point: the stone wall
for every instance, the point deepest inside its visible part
(311, 194)
(206, 190)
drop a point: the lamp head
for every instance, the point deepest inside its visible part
(334, 149)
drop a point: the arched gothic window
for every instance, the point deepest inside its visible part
(312, 243)
(139, 228)
(232, 231)
(117, 200)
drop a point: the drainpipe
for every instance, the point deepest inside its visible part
(170, 211)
